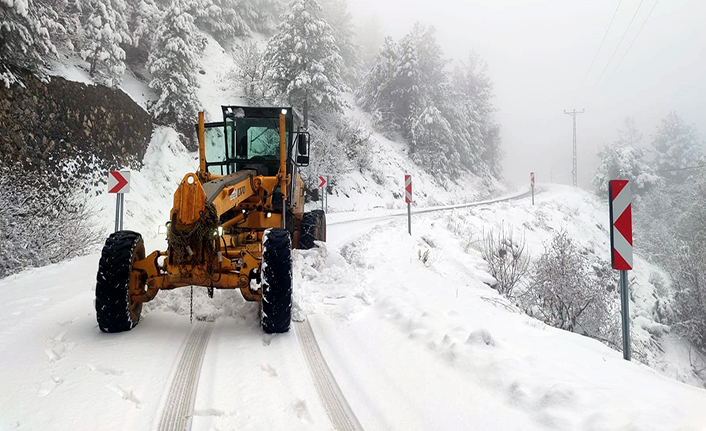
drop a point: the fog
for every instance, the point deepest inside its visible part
(538, 55)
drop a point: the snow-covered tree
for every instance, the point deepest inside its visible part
(568, 291)
(251, 71)
(433, 142)
(375, 94)
(264, 15)
(303, 60)
(41, 222)
(144, 16)
(337, 15)
(105, 28)
(471, 107)
(172, 63)
(690, 288)
(624, 159)
(406, 80)
(625, 163)
(62, 19)
(24, 40)
(677, 148)
(447, 122)
(225, 19)
(683, 224)
(357, 145)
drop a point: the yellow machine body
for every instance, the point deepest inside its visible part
(217, 223)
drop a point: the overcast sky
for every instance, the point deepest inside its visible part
(539, 53)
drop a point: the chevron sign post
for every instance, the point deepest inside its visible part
(621, 247)
(119, 183)
(408, 200)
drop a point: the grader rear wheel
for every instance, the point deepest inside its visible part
(115, 311)
(276, 281)
(313, 228)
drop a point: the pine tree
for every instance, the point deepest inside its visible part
(304, 62)
(375, 94)
(62, 20)
(224, 19)
(433, 141)
(144, 17)
(105, 28)
(624, 159)
(447, 123)
(24, 40)
(337, 15)
(625, 163)
(172, 63)
(677, 147)
(473, 94)
(407, 79)
(262, 16)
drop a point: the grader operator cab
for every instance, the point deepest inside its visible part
(233, 224)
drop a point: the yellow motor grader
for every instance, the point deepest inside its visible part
(233, 224)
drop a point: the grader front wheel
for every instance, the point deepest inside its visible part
(115, 311)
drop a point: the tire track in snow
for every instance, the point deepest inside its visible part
(337, 408)
(179, 404)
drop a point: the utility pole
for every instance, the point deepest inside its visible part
(573, 114)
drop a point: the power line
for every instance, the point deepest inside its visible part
(621, 41)
(588, 72)
(636, 36)
(681, 169)
(602, 40)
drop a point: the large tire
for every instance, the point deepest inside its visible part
(313, 228)
(276, 281)
(114, 310)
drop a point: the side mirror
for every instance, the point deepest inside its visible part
(302, 147)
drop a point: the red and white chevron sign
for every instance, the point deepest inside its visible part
(408, 189)
(621, 224)
(119, 182)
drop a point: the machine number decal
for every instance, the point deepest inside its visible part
(237, 193)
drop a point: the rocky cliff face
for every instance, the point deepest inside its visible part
(77, 129)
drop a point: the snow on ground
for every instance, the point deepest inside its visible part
(136, 89)
(408, 325)
(216, 86)
(438, 349)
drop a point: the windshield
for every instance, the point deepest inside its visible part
(257, 137)
(248, 136)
